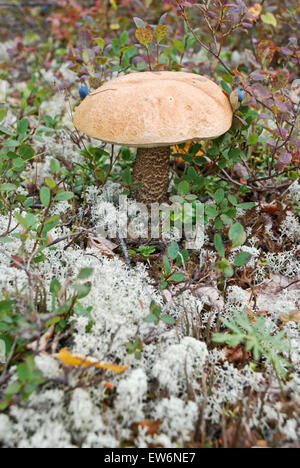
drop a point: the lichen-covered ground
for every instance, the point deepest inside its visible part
(68, 288)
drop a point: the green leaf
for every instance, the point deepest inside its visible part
(218, 223)
(177, 277)
(219, 245)
(64, 196)
(237, 235)
(242, 258)
(235, 154)
(246, 206)
(18, 164)
(258, 339)
(116, 47)
(150, 318)
(139, 22)
(11, 143)
(211, 211)
(183, 256)
(12, 389)
(226, 87)
(54, 166)
(101, 43)
(50, 182)
(127, 177)
(4, 405)
(55, 286)
(22, 126)
(5, 131)
(23, 372)
(226, 220)
(26, 151)
(232, 200)
(231, 212)
(228, 271)
(252, 139)
(167, 264)
(7, 187)
(123, 38)
(178, 46)
(222, 265)
(6, 306)
(53, 321)
(45, 196)
(82, 289)
(167, 319)
(269, 18)
(183, 188)
(30, 220)
(173, 250)
(219, 195)
(20, 220)
(3, 113)
(85, 273)
(50, 224)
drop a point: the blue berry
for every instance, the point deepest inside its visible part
(241, 94)
(45, 8)
(83, 91)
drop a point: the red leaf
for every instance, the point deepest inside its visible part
(265, 52)
(279, 79)
(284, 160)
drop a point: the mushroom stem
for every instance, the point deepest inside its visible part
(151, 169)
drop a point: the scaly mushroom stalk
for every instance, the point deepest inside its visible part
(151, 173)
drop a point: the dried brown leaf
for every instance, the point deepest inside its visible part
(151, 427)
(105, 246)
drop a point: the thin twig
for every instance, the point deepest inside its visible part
(124, 249)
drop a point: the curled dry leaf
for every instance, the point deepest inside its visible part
(211, 296)
(292, 316)
(151, 427)
(41, 345)
(105, 246)
(271, 209)
(77, 360)
(236, 354)
(247, 438)
(268, 292)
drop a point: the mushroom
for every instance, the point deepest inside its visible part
(153, 111)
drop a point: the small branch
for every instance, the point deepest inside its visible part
(273, 175)
(125, 251)
(199, 40)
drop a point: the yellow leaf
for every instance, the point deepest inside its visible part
(77, 360)
(254, 11)
(144, 36)
(185, 150)
(114, 26)
(269, 18)
(113, 4)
